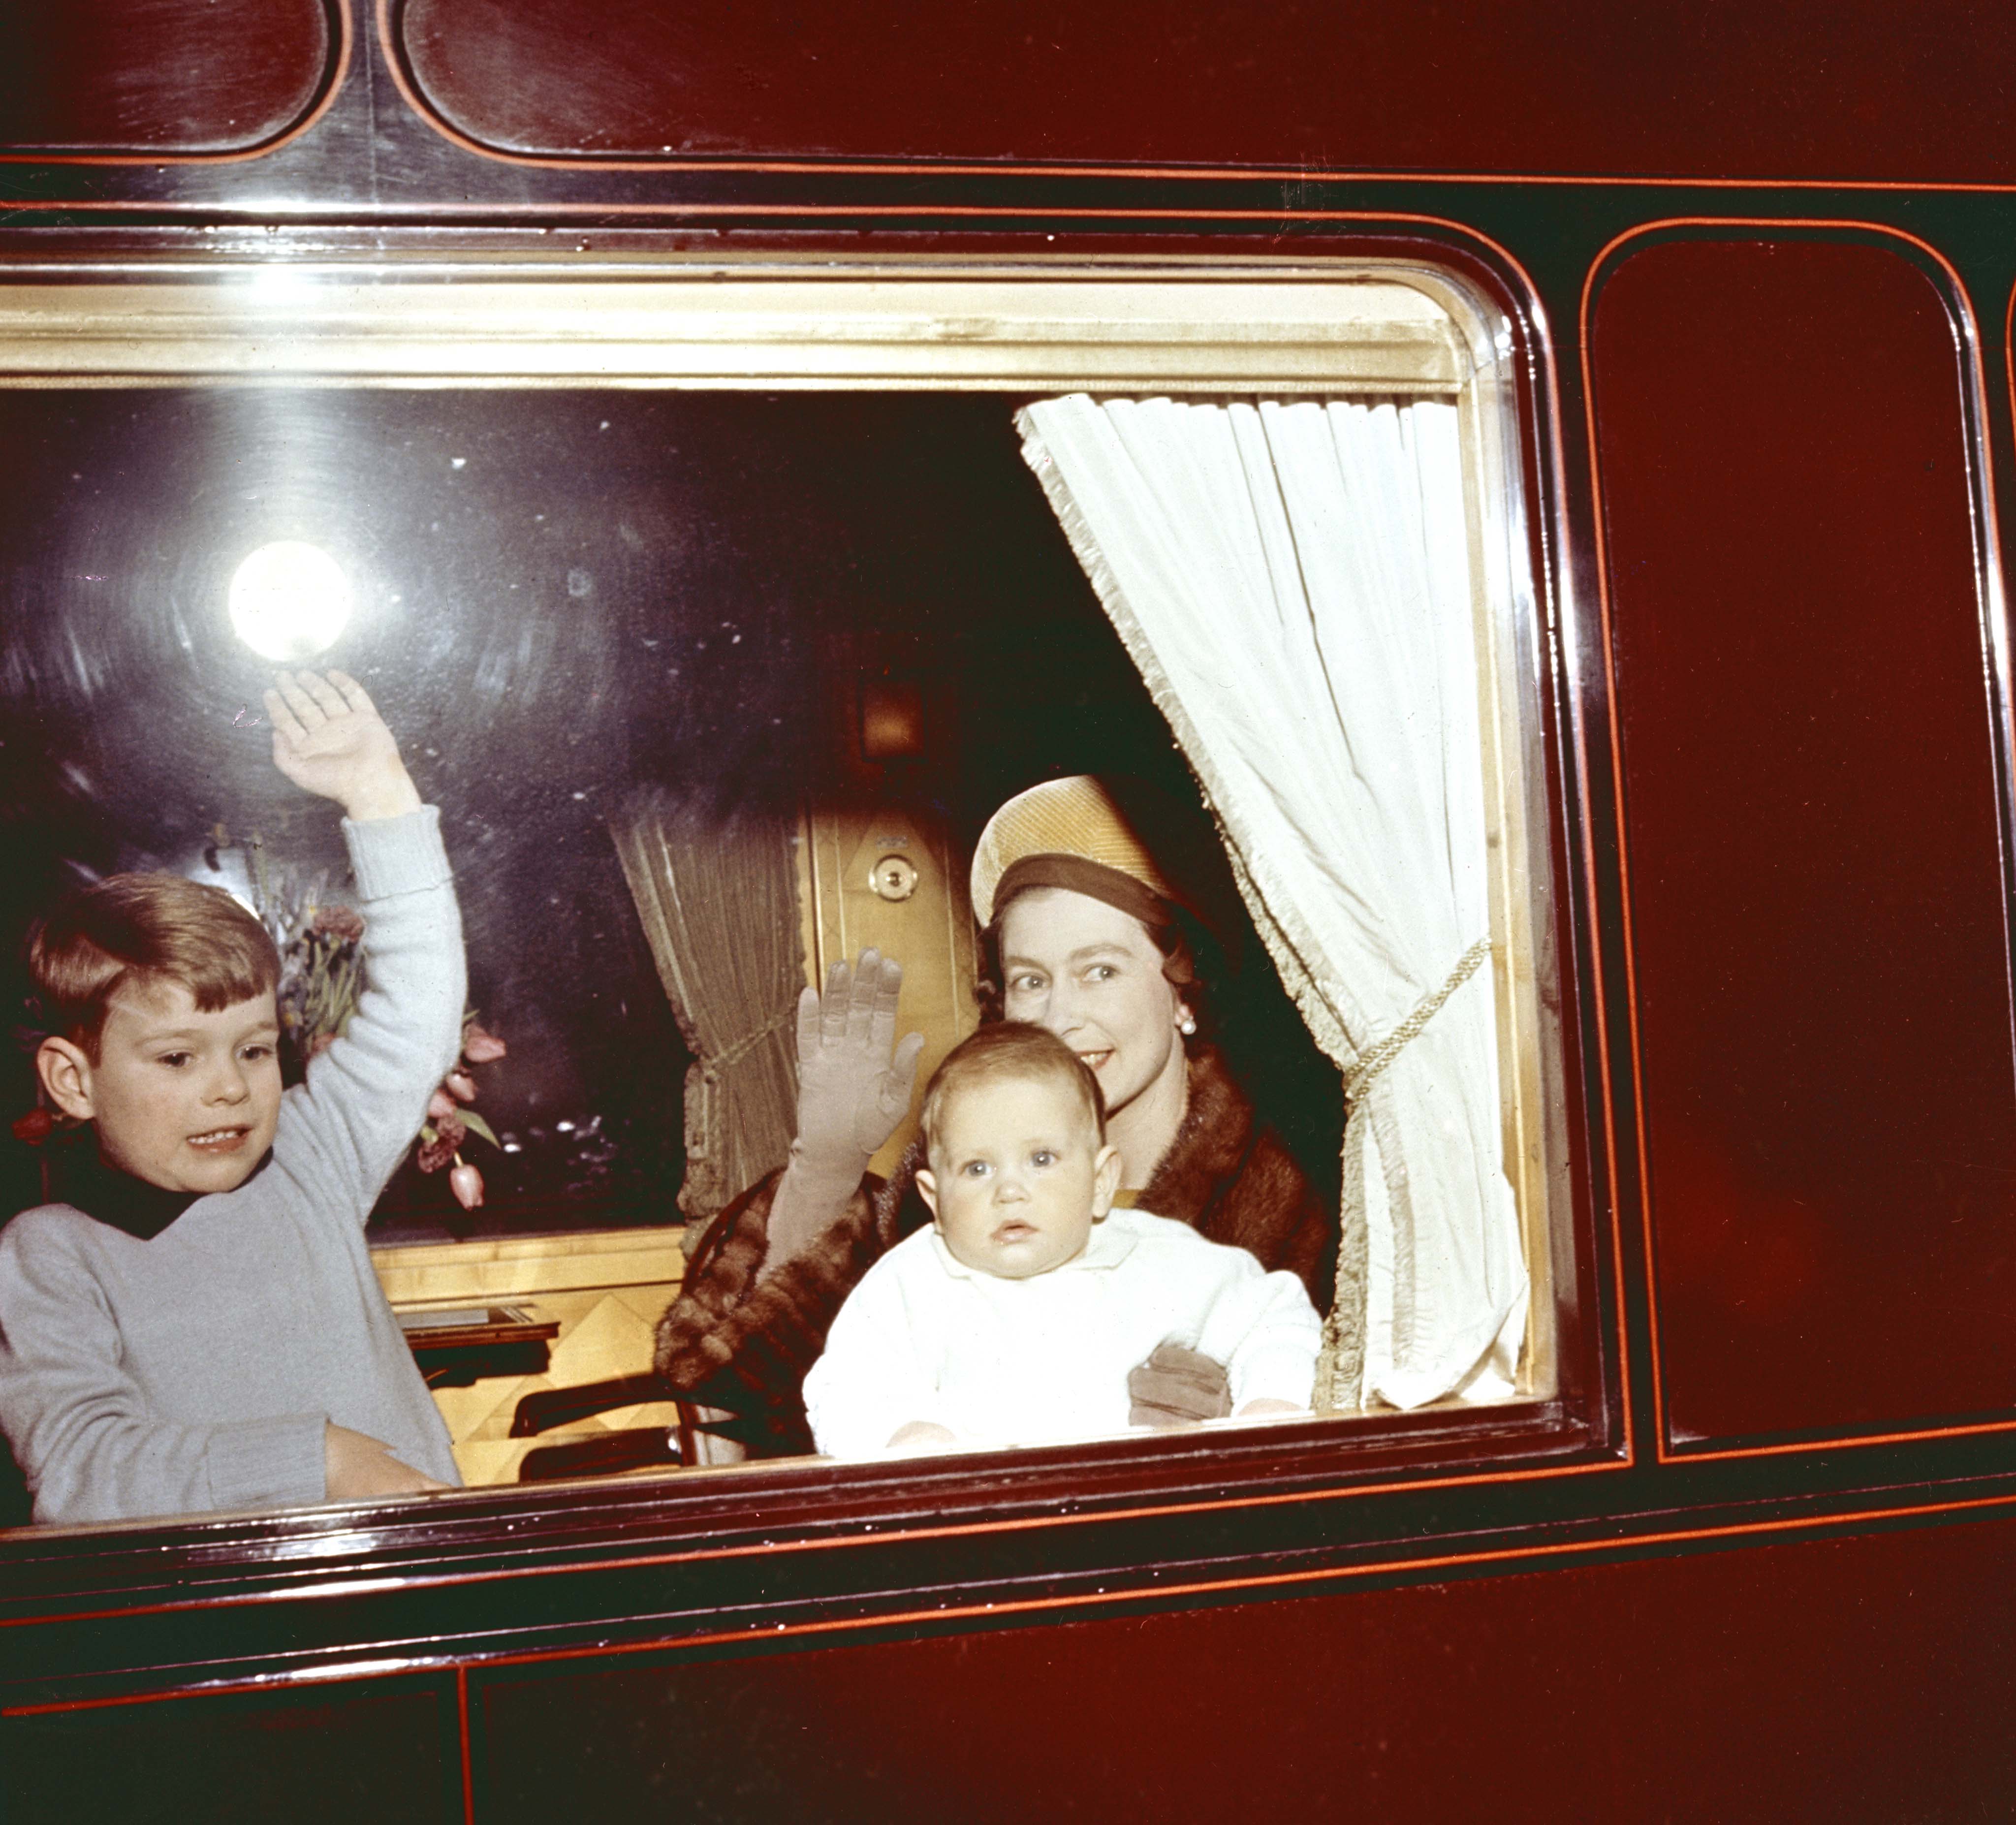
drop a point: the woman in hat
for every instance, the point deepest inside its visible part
(1085, 937)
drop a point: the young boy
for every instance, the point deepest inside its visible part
(1016, 1317)
(197, 1326)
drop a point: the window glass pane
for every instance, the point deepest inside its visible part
(667, 660)
(555, 604)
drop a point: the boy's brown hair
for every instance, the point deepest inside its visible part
(139, 930)
(1010, 1049)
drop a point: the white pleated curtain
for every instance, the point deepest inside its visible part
(1293, 581)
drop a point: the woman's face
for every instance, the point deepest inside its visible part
(1093, 975)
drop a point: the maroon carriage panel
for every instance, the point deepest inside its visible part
(384, 1750)
(133, 76)
(1825, 88)
(1815, 896)
(1534, 1697)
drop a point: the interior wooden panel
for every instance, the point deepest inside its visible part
(111, 76)
(929, 931)
(1817, 898)
(1585, 86)
(605, 1291)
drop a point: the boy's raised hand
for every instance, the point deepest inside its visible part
(329, 739)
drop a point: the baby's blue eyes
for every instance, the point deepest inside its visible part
(981, 1168)
(1043, 1156)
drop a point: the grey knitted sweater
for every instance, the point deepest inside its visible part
(195, 1370)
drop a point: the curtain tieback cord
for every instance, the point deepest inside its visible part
(734, 1054)
(1375, 1058)
(1341, 1361)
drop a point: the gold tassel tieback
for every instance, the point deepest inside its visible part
(1375, 1059)
(1340, 1363)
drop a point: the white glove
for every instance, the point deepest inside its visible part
(854, 1085)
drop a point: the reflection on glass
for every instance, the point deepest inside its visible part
(289, 600)
(609, 627)
(566, 604)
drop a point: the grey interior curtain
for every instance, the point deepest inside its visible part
(718, 897)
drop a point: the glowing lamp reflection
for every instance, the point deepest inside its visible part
(289, 601)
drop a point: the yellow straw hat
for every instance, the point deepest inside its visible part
(1067, 834)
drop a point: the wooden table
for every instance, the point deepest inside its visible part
(456, 1345)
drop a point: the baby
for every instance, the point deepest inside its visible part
(1015, 1319)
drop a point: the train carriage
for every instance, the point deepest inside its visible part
(1567, 445)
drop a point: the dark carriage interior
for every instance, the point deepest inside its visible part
(560, 598)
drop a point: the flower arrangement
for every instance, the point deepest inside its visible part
(322, 977)
(450, 1120)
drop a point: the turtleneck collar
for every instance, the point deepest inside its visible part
(80, 1176)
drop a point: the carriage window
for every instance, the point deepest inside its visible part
(718, 689)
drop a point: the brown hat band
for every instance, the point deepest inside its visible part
(1077, 875)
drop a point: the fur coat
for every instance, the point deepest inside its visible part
(738, 1339)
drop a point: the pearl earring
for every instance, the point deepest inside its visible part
(1186, 1023)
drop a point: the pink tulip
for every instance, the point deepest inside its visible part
(467, 1183)
(480, 1047)
(33, 1128)
(449, 1134)
(440, 1106)
(340, 922)
(320, 1044)
(461, 1085)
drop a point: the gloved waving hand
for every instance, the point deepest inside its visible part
(854, 1085)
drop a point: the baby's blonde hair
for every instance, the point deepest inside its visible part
(1009, 1050)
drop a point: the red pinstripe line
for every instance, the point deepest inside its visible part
(1852, 1441)
(1594, 933)
(461, 1732)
